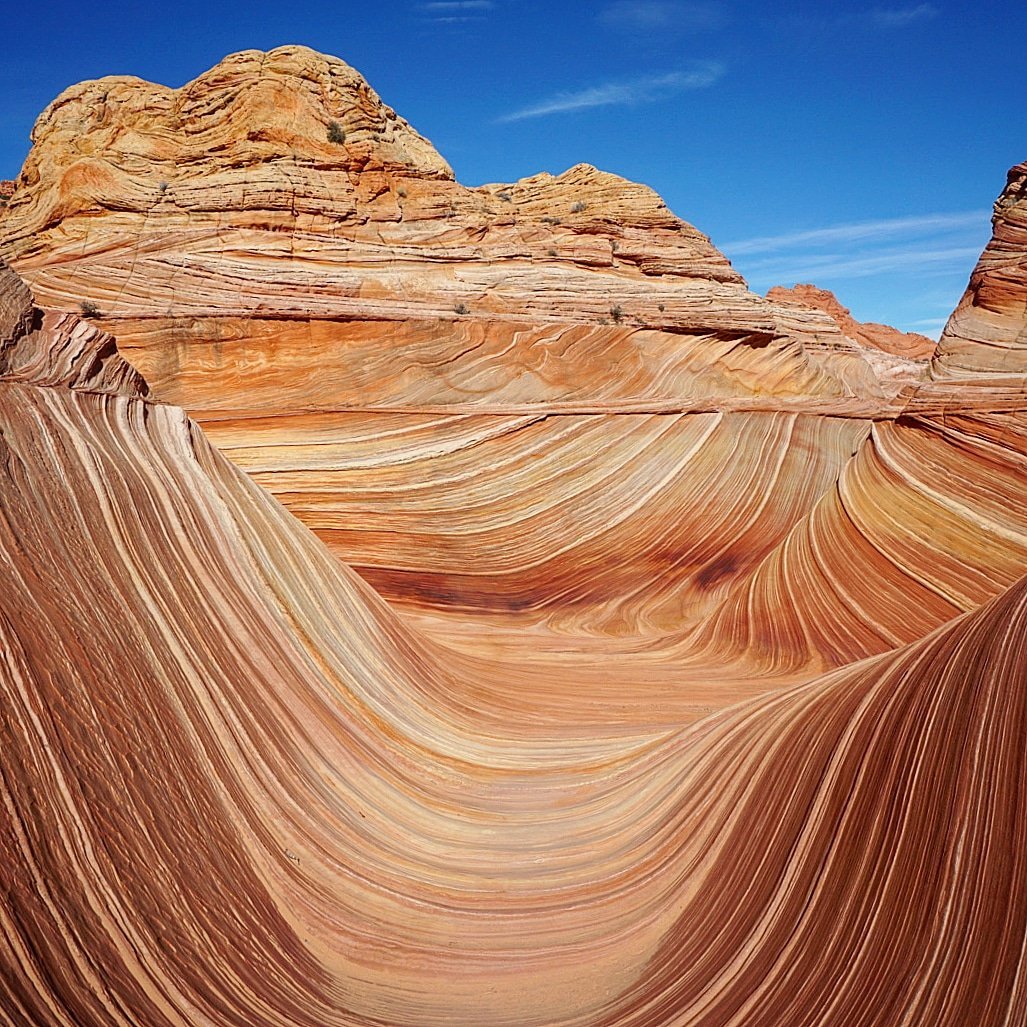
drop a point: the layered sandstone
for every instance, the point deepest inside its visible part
(241, 790)
(454, 387)
(985, 336)
(909, 345)
(210, 220)
(657, 655)
(281, 254)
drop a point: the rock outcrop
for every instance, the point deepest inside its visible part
(985, 336)
(282, 255)
(278, 190)
(909, 345)
(289, 808)
(665, 670)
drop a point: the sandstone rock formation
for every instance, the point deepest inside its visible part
(290, 809)
(985, 335)
(197, 220)
(667, 670)
(910, 345)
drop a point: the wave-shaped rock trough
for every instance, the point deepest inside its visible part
(525, 670)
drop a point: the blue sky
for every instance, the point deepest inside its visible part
(855, 145)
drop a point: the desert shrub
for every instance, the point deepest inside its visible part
(578, 207)
(89, 309)
(505, 197)
(461, 309)
(617, 313)
(336, 133)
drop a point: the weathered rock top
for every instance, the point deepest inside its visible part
(910, 345)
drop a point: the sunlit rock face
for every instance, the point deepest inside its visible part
(871, 336)
(658, 654)
(985, 336)
(274, 217)
(281, 254)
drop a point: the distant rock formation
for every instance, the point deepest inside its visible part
(910, 345)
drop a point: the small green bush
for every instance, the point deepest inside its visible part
(578, 207)
(336, 133)
(89, 309)
(461, 309)
(617, 313)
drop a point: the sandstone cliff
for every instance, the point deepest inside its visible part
(276, 196)
(985, 336)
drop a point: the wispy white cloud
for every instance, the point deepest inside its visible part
(932, 327)
(618, 94)
(447, 12)
(923, 245)
(860, 231)
(445, 6)
(840, 266)
(661, 15)
(899, 17)
(929, 323)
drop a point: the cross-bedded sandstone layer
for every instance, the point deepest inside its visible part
(238, 789)
(280, 253)
(985, 336)
(698, 692)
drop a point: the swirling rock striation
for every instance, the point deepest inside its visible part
(667, 670)
(237, 789)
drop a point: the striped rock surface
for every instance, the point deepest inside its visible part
(238, 789)
(985, 335)
(274, 216)
(667, 670)
(299, 296)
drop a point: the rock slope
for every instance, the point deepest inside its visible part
(985, 336)
(910, 345)
(278, 187)
(281, 254)
(657, 655)
(239, 790)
